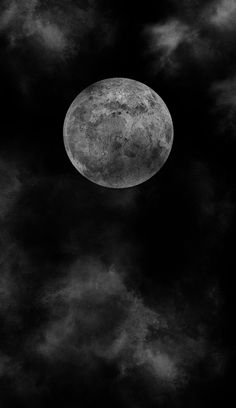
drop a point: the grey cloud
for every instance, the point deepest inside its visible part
(94, 315)
(91, 313)
(225, 92)
(52, 27)
(10, 255)
(224, 95)
(4, 364)
(99, 315)
(11, 259)
(222, 14)
(122, 200)
(174, 41)
(218, 13)
(215, 209)
(165, 39)
(170, 35)
(10, 186)
(200, 37)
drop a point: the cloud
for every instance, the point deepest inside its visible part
(211, 204)
(174, 43)
(41, 36)
(86, 317)
(224, 94)
(4, 360)
(51, 27)
(200, 36)
(10, 186)
(24, 21)
(12, 259)
(223, 14)
(50, 34)
(166, 38)
(97, 315)
(170, 35)
(94, 316)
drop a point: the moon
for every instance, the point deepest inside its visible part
(118, 132)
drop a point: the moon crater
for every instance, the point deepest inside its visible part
(118, 133)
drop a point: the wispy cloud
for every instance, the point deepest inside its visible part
(165, 39)
(174, 42)
(97, 316)
(10, 186)
(93, 314)
(201, 38)
(23, 20)
(224, 96)
(170, 35)
(52, 27)
(225, 92)
(10, 255)
(223, 14)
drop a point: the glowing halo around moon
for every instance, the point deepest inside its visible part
(118, 133)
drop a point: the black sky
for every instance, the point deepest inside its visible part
(121, 298)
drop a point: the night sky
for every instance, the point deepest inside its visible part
(117, 297)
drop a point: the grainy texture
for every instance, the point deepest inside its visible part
(118, 132)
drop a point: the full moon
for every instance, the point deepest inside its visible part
(118, 133)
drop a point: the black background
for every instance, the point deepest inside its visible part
(173, 236)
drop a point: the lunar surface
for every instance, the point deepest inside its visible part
(118, 132)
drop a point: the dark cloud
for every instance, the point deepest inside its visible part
(83, 315)
(200, 35)
(166, 38)
(215, 204)
(24, 21)
(94, 320)
(224, 97)
(10, 186)
(222, 14)
(40, 38)
(174, 43)
(52, 27)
